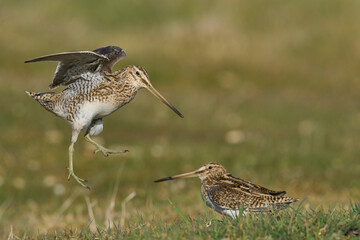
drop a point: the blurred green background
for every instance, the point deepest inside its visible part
(269, 89)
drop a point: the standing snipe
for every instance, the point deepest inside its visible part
(92, 92)
(229, 195)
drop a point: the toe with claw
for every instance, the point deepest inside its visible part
(79, 180)
(107, 152)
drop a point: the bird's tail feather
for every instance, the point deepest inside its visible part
(31, 94)
(46, 99)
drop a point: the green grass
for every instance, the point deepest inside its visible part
(268, 89)
(292, 223)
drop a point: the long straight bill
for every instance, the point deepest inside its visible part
(159, 96)
(184, 175)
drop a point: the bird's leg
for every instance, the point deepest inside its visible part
(81, 181)
(102, 149)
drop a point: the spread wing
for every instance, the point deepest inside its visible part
(228, 198)
(82, 65)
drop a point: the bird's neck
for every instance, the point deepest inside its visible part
(213, 179)
(121, 84)
(127, 90)
(122, 80)
(116, 76)
(208, 181)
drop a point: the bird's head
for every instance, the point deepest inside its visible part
(138, 78)
(210, 170)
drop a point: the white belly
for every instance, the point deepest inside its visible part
(233, 213)
(92, 110)
(97, 109)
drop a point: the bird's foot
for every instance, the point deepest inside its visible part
(102, 149)
(107, 152)
(79, 180)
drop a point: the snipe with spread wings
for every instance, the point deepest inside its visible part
(92, 92)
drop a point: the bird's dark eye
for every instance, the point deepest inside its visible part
(210, 167)
(137, 73)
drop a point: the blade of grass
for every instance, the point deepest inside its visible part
(179, 212)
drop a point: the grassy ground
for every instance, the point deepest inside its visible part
(269, 90)
(291, 224)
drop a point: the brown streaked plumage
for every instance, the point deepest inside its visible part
(92, 92)
(228, 194)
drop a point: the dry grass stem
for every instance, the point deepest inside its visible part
(11, 234)
(67, 204)
(109, 214)
(123, 208)
(90, 206)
